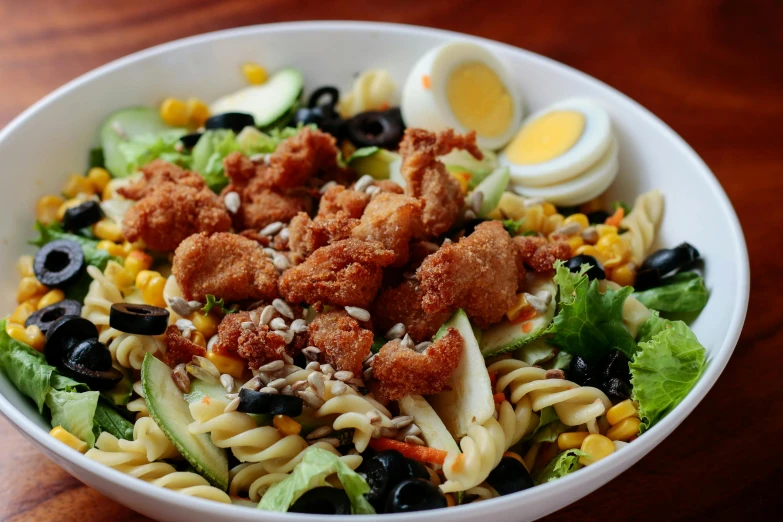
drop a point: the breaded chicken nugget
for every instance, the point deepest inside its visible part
(261, 345)
(342, 340)
(345, 273)
(178, 349)
(402, 304)
(402, 371)
(387, 185)
(393, 220)
(225, 265)
(170, 213)
(478, 274)
(306, 235)
(301, 157)
(240, 169)
(426, 177)
(540, 254)
(229, 330)
(339, 198)
(157, 172)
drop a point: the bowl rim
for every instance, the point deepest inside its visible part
(601, 471)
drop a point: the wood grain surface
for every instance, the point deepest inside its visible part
(711, 69)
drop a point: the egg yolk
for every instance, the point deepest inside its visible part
(479, 99)
(546, 137)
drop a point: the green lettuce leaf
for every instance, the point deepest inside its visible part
(208, 155)
(143, 148)
(547, 418)
(310, 473)
(75, 412)
(589, 323)
(665, 369)
(212, 302)
(512, 226)
(560, 361)
(108, 419)
(362, 152)
(682, 292)
(560, 466)
(25, 368)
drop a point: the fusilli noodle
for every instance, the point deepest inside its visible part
(129, 349)
(101, 295)
(482, 449)
(373, 90)
(642, 223)
(352, 413)
(138, 405)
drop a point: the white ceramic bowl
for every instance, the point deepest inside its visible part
(49, 140)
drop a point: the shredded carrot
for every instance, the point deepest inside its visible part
(426, 82)
(384, 106)
(526, 327)
(527, 313)
(499, 397)
(205, 400)
(616, 218)
(493, 379)
(412, 451)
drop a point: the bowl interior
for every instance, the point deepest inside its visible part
(51, 140)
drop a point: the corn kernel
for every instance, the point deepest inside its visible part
(551, 223)
(207, 325)
(99, 178)
(549, 209)
(138, 261)
(597, 447)
(254, 73)
(571, 439)
(128, 247)
(144, 278)
(620, 411)
(198, 112)
(153, 292)
(33, 301)
(233, 366)
(25, 266)
(624, 275)
(66, 205)
(198, 338)
(604, 230)
(516, 310)
(464, 180)
(78, 185)
(614, 249)
(575, 242)
(107, 229)
(286, 425)
(68, 438)
(29, 287)
(581, 219)
(31, 336)
(22, 312)
(46, 209)
(51, 297)
(111, 247)
(174, 112)
(118, 275)
(588, 250)
(625, 429)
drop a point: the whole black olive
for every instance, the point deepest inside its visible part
(98, 381)
(579, 370)
(509, 477)
(331, 93)
(616, 365)
(415, 495)
(596, 270)
(236, 121)
(597, 217)
(59, 263)
(663, 262)
(45, 317)
(64, 334)
(251, 401)
(189, 140)
(323, 501)
(82, 215)
(376, 129)
(138, 319)
(646, 279)
(617, 389)
(383, 471)
(417, 469)
(323, 118)
(92, 354)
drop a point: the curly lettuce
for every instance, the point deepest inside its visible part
(682, 292)
(144, 148)
(560, 466)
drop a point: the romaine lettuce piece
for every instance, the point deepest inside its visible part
(25, 368)
(560, 466)
(208, 155)
(682, 292)
(75, 412)
(108, 419)
(143, 148)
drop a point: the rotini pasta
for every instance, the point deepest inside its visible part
(482, 449)
(101, 295)
(373, 90)
(642, 223)
(129, 349)
(138, 405)
(149, 439)
(352, 412)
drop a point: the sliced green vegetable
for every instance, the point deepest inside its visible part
(561, 361)
(492, 187)
(267, 103)
(560, 466)
(121, 127)
(536, 352)
(682, 292)
(108, 419)
(378, 163)
(459, 160)
(433, 431)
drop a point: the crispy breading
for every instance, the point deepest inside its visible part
(240, 169)
(339, 198)
(402, 371)
(178, 349)
(229, 330)
(306, 235)
(343, 341)
(540, 254)
(225, 265)
(256, 346)
(260, 346)
(391, 219)
(302, 157)
(345, 273)
(427, 178)
(261, 206)
(170, 213)
(157, 172)
(478, 274)
(402, 304)
(387, 185)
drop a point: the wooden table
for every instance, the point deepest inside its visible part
(711, 69)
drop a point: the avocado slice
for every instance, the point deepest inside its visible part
(122, 125)
(493, 187)
(268, 102)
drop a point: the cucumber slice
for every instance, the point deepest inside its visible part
(374, 161)
(493, 187)
(507, 336)
(469, 401)
(269, 102)
(121, 393)
(433, 431)
(169, 410)
(200, 388)
(120, 127)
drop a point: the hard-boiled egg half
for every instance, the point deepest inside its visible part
(565, 153)
(463, 86)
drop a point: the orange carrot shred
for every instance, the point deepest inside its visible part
(493, 379)
(412, 451)
(426, 82)
(528, 313)
(616, 218)
(526, 327)
(499, 397)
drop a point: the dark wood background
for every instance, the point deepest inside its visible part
(711, 69)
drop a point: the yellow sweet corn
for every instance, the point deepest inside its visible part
(597, 447)
(108, 229)
(581, 219)
(254, 73)
(138, 261)
(25, 266)
(78, 185)
(575, 242)
(549, 209)
(46, 209)
(588, 250)
(51, 297)
(552, 223)
(66, 205)
(605, 230)
(31, 336)
(624, 275)
(111, 247)
(464, 180)
(286, 425)
(22, 312)
(198, 338)
(28, 288)
(68, 438)
(198, 112)
(153, 292)
(144, 277)
(571, 440)
(99, 178)
(233, 366)
(174, 112)
(615, 251)
(118, 275)
(621, 411)
(206, 325)
(625, 429)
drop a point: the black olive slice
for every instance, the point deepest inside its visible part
(617, 389)
(383, 471)
(509, 477)
(616, 365)
(138, 319)
(92, 354)
(667, 260)
(105, 380)
(236, 121)
(596, 269)
(329, 122)
(415, 495)
(64, 334)
(58, 263)
(323, 501)
(579, 370)
(189, 140)
(646, 279)
(376, 129)
(82, 215)
(45, 317)
(331, 93)
(251, 401)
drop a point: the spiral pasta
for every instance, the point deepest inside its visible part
(138, 405)
(102, 294)
(642, 223)
(482, 449)
(149, 439)
(352, 413)
(373, 90)
(129, 349)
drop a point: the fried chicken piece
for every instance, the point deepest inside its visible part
(342, 339)
(302, 157)
(540, 254)
(419, 250)
(402, 371)
(240, 169)
(387, 185)
(255, 346)
(156, 173)
(402, 304)
(478, 274)
(306, 235)
(261, 206)
(428, 179)
(170, 213)
(339, 198)
(229, 330)
(178, 349)
(391, 219)
(261, 345)
(345, 273)
(225, 265)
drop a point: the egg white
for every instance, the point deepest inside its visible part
(428, 108)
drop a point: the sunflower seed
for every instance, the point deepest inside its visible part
(256, 158)
(285, 234)
(476, 200)
(313, 365)
(413, 439)
(530, 202)
(590, 235)
(338, 388)
(288, 337)
(253, 384)
(401, 422)
(278, 323)
(286, 390)
(247, 325)
(277, 384)
(264, 378)
(232, 396)
(287, 358)
(186, 334)
(311, 399)
(267, 314)
(316, 381)
(270, 252)
(343, 375)
(376, 432)
(180, 306)
(327, 369)
(327, 186)
(469, 214)
(409, 276)
(389, 432)
(368, 358)
(298, 385)
(272, 229)
(367, 374)
(298, 326)
(395, 332)
(360, 314)
(447, 241)
(364, 182)
(332, 441)
(319, 432)
(212, 342)
(422, 346)
(568, 230)
(372, 190)
(184, 324)
(270, 390)
(545, 296)
(536, 302)
(272, 367)
(409, 430)
(282, 307)
(408, 342)
(281, 262)
(232, 406)
(232, 202)
(180, 376)
(228, 382)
